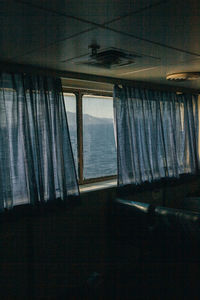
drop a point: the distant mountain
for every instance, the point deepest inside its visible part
(87, 120)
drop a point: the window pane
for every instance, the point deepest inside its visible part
(99, 148)
(70, 106)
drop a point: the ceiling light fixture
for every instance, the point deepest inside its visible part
(183, 76)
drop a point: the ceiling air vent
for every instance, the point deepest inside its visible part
(109, 58)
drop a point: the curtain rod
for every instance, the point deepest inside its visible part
(12, 67)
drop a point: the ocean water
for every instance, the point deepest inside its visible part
(99, 150)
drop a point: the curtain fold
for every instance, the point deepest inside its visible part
(36, 160)
(157, 134)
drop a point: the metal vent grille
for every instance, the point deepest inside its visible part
(108, 59)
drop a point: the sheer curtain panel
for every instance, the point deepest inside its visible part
(157, 134)
(36, 162)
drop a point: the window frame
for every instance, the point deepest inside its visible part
(79, 93)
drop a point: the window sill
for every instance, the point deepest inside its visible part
(98, 186)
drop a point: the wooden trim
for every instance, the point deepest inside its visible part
(98, 179)
(88, 92)
(79, 119)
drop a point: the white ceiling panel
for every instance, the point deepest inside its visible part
(151, 55)
(173, 23)
(57, 55)
(24, 30)
(164, 33)
(98, 11)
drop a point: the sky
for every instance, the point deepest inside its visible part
(94, 106)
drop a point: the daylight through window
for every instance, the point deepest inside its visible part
(90, 119)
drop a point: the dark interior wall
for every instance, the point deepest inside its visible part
(43, 255)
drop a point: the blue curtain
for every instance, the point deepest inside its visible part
(36, 161)
(157, 134)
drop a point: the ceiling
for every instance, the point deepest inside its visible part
(165, 34)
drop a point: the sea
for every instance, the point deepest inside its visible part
(99, 150)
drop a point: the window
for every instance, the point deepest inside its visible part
(90, 119)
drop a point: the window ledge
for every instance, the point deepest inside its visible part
(98, 186)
